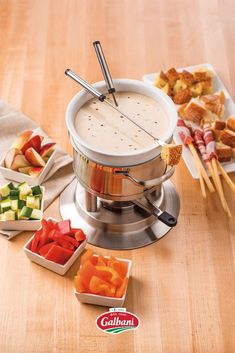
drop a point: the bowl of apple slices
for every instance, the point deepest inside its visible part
(29, 158)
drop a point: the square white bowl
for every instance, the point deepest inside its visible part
(24, 224)
(20, 177)
(50, 265)
(103, 300)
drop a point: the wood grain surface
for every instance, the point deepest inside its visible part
(182, 287)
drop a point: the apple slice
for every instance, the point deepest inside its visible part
(47, 150)
(10, 157)
(35, 171)
(19, 162)
(34, 142)
(22, 139)
(34, 158)
(25, 170)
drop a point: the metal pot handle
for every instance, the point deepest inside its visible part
(148, 183)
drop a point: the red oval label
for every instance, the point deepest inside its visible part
(117, 321)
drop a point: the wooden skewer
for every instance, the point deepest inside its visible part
(202, 169)
(226, 177)
(202, 184)
(219, 188)
(212, 174)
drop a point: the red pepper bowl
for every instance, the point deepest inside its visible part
(50, 265)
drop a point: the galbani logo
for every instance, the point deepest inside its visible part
(117, 320)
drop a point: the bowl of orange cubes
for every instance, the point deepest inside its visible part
(102, 280)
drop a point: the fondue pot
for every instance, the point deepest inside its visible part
(121, 181)
(120, 176)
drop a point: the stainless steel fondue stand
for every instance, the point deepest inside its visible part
(119, 200)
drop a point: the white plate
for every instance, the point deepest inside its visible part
(229, 110)
(111, 302)
(50, 265)
(20, 177)
(24, 224)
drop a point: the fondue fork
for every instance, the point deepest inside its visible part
(102, 98)
(105, 70)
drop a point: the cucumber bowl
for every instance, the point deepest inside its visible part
(21, 206)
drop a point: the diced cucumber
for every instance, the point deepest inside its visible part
(36, 190)
(30, 201)
(4, 190)
(33, 202)
(37, 204)
(5, 209)
(24, 189)
(9, 216)
(36, 214)
(25, 213)
(14, 193)
(21, 204)
(11, 186)
(14, 205)
(5, 205)
(12, 197)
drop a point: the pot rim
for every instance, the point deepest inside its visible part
(121, 158)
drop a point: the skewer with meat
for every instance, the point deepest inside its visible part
(187, 139)
(213, 165)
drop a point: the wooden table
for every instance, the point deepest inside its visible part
(182, 286)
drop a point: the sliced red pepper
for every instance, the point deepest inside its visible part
(35, 242)
(51, 234)
(45, 248)
(58, 254)
(51, 224)
(72, 240)
(43, 233)
(79, 235)
(60, 238)
(64, 226)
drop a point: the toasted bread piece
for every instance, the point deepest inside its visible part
(219, 125)
(196, 89)
(233, 153)
(172, 76)
(178, 86)
(209, 118)
(217, 108)
(200, 76)
(167, 89)
(209, 73)
(214, 98)
(171, 154)
(187, 78)
(181, 111)
(194, 112)
(161, 80)
(207, 87)
(214, 103)
(228, 137)
(182, 96)
(216, 134)
(222, 97)
(231, 123)
(224, 152)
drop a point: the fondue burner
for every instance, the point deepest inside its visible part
(118, 224)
